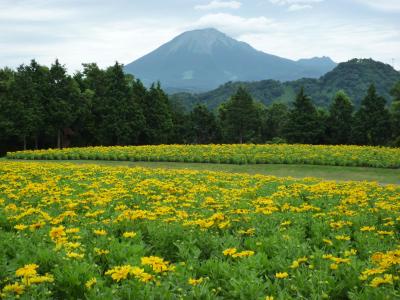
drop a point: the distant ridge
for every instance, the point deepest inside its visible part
(201, 60)
(354, 77)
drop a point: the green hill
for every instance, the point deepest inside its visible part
(353, 77)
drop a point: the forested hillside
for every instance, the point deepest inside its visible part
(353, 77)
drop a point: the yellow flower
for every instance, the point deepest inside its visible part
(342, 237)
(249, 231)
(101, 251)
(141, 275)
(100, 232)
(90, 283)
(350, 252)
(119, 273)
(75, 255)
(281, 275)
(193, 281)
(20, 226)
(15, 288)
(367, 228)
(328, 242)
(41, 279)
(158, 264)
(72, 230)
(57, 232)
(229, 251)
(27, 271)
(129, 234)
(245, 253)
(334, 266)
(386, 279)
(297, 262)
(382, 232)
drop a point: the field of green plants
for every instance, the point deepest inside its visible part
(362, 156)
(95, 232)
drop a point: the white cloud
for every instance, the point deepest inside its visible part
(384, 5)
(296, 5)
(26, 13)
(290, 2)
(217, 4)
(102, 43)
(341, 41)
(234, 25)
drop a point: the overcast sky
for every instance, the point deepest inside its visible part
(105, 31)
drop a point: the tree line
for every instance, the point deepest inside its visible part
(43, 107)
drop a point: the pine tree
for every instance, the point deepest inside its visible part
(304, 124)
(240, 118)
(7, 127)
(372, 120)
(340, 120)
(276, 117)
(203, 124)
(395, 114)
(62, 102)
(29, 91)
(158, 119)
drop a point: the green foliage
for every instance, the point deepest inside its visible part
(274, 122)
(372, 120)
(204, 125)
(395, 114)
(353, 77)
(304, 124)
(340, 120)
(47, 108)
(240, 118)
(62, 101)
(157, 113)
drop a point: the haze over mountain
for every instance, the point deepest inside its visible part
(354, 77)
(201, 60)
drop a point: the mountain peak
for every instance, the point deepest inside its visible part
(202, 59)
(200, 41)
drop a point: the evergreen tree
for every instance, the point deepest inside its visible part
(304, 124)
(29, 91)
(276, 117)
(395, 114)
(204, 125)
(340, 120)
(372, 120)
(62, 103)
(181, 123)
(157, 112)
(124, 118)
(7, 127)
(240, 118)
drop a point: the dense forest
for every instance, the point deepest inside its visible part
(43, 107)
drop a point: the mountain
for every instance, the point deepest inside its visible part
(354, 77)
(201, 60)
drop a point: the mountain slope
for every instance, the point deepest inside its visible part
(203, 59)
(353, 77)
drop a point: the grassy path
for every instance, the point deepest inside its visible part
(384, 176)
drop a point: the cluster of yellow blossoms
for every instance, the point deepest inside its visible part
(236, 154)
(213, 225)
(29, 276)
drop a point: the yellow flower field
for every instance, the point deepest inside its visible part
(363, 156)
(95, 232)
